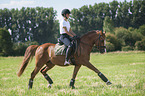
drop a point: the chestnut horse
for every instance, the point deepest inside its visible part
(44, 54)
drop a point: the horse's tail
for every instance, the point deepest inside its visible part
(29, 53)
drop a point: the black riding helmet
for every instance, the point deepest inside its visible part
(65, 11)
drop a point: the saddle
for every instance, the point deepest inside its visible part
(60, 48)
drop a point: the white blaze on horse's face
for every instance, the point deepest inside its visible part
(105, 45)
(105, 41)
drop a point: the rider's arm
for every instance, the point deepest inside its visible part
(70, 30)
(70, 34)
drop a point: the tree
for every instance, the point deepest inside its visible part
(46, 25)
(31, 24)
(142, 30)
(140, 45)
(108, 25)
(127, 36)
(5, 18)
(99, 15)
(142, 13)
(40, 24)
(113, 40)
(76, 21)
(135, 35)
(5, 42)
(123, 35)
(123, 15)
(113, 8)
(135, 10)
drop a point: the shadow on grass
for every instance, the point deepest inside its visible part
(118, 86)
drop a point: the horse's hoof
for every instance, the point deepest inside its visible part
(29, 87)
(30, 84)
(49, 85)
(108, 83)
(73, 87)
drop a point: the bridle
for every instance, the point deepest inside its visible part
(99, 38)
(98, 45)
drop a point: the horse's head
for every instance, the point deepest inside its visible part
(100, 41)
(95, 38)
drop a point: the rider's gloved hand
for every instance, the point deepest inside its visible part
(76, 37)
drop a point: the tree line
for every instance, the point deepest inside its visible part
(39, 25)
(30, 24)
(123, 14)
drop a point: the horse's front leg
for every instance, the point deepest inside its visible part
(90, 66)
(72, 82)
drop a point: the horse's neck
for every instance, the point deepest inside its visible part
(88, 39)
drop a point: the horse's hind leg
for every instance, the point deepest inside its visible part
(33, 74)
(48, 66)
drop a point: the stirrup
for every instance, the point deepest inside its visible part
(66, 62)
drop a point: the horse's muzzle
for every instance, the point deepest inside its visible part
(102, 49)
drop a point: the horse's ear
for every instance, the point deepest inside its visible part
(97, 31)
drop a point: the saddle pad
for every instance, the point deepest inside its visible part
(60, 49)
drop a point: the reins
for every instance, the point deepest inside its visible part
(100, 36)
(86, 44)
(98, 45)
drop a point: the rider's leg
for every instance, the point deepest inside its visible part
(68, 54)
(67, 42)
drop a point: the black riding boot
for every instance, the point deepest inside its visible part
(68, 54)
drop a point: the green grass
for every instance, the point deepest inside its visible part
(126, 70)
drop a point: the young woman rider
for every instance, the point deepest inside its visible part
(66, 34)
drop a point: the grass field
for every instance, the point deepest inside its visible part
(126, 70)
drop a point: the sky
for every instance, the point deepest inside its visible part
(58, 5)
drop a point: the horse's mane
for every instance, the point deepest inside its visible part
(88, 33)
